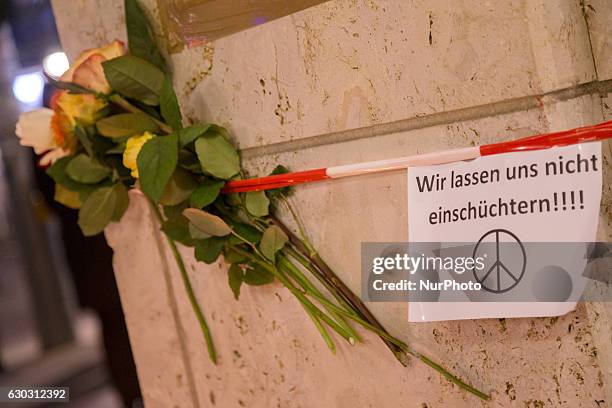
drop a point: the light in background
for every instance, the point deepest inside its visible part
(46, 336)
(55, 64)
(28, 88)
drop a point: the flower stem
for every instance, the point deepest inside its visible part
(299, 223)
(320, 328)
(189, 289)
(308, 265)
(364, 317)
(319, 313)
(450, 377)
(279, 273)
(122, 102)
(339, 287)
(308, 286)
(403, 346)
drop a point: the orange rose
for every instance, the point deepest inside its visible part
(87, 70)
(51, 131)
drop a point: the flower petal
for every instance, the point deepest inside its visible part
(34, 129)
(113, 50)
(132, 148)
(84, 107)
(90, 74)
(52, 156)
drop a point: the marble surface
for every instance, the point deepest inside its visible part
(341, 66)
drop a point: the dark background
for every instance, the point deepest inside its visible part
(61, 322)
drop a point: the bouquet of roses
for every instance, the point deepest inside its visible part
(115, 124)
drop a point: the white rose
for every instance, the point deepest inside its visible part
(34, 130)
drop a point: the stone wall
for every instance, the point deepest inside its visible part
(345, 81)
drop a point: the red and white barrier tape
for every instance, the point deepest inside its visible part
(538, 142)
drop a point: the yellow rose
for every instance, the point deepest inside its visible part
(132, 148)
(87, 70)
(86, 108)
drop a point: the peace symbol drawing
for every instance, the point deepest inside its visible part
(505, 260)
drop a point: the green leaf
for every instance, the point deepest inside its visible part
(207, 223)
(257, 203)
(233, 199)
(126, 125)
(206, 193)
(191, 133)
(178, 189)
(170, 110)
(196, 233)
(140, 35)
(219, 129)
(274, 193)
(208, 250)
(189, 161)
(217, 155)
(122, 201)
(68, 86)
(156, 164)
(97, 211)
(135, 78)
(117, 149)
(257, 275)
(177, 229)
(120, 172)
(247, 232)
(70, 199)
(174, 211)
(231, 256)
(57, 171)
(83, 137)
(84, 169)
(272, 241)
(101, 145)
(280, 169)
(152, 111)
(235, 276)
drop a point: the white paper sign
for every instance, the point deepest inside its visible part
(540, 196)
